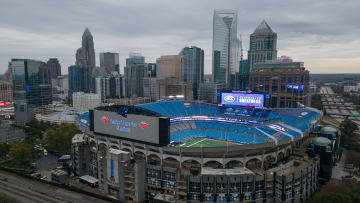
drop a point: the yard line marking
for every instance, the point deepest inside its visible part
(197, 142)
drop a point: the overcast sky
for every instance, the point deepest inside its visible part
(325, 34)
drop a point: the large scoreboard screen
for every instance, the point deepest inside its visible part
(149, 129)
(242, 99)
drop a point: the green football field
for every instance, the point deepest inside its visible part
(206, 142)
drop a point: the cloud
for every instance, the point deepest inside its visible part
(323, 34)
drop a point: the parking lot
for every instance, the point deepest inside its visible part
(44, 164)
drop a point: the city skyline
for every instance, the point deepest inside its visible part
(325, 41)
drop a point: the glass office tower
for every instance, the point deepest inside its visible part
(28, 85)
(31, 88)
(109, 61)
(226, 45)
(79, 79)
(193, 67)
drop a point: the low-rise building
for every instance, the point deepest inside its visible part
(208, 92)
(157, 88)
(59, 176)
(86, 101)
(6, 92)
(285, 81)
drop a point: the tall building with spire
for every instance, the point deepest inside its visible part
(262, 46)
(226, 45)
(85, 55)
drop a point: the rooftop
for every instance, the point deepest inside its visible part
(58, 172)
(117, 151)
(321, 141)
(263, 28)
(290, 167)
(89, 179)
(225, 171)
(78, 138)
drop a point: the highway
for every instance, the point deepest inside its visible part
(28, 191)
(24, 195)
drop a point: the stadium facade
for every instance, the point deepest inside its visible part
(197, 152)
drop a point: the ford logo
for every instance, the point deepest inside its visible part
(229, 98)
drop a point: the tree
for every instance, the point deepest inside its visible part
(4, 149)
(21, 153)
(59, 138)
(348, 127)
(316, 101)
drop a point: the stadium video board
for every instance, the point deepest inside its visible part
(132, 127)
(242, 99)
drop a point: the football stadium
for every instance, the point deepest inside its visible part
(191, 151)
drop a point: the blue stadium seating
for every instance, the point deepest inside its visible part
(182, 132)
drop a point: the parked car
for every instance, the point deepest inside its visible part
(35, 175)
(347, 177)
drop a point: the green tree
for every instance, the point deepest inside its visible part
(21, 153)
(4, 149)
(316, 101)
(348, 127)
(59, 138)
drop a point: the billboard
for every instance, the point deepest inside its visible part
(133, 127)
(242, 99)
(2, 104)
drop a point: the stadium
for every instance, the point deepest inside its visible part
(177, 136)
(233, 132)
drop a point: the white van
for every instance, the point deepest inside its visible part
(45, 152)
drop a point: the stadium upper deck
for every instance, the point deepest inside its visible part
(196, 124)
(232, 125)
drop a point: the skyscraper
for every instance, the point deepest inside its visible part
(55, 67)
(79, 80)
(262, 45)
(226, 54)
(135, 58)
(31, 83)
(85, 55)
(193, 67)
(31, 87)
(134, 76)
(109, 61)
(169, 66)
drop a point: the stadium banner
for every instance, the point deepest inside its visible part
(242, 99)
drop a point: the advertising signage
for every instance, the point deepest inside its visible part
(132, 127)
(2, 104)
(242, 99)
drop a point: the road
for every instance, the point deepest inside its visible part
(25, 195)
(28, 186)
(338, 170)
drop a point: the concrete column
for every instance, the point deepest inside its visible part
(262, 160)
(146, 154)
(180, 158)
(132, 149)
(162, 156)
(244, 160)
